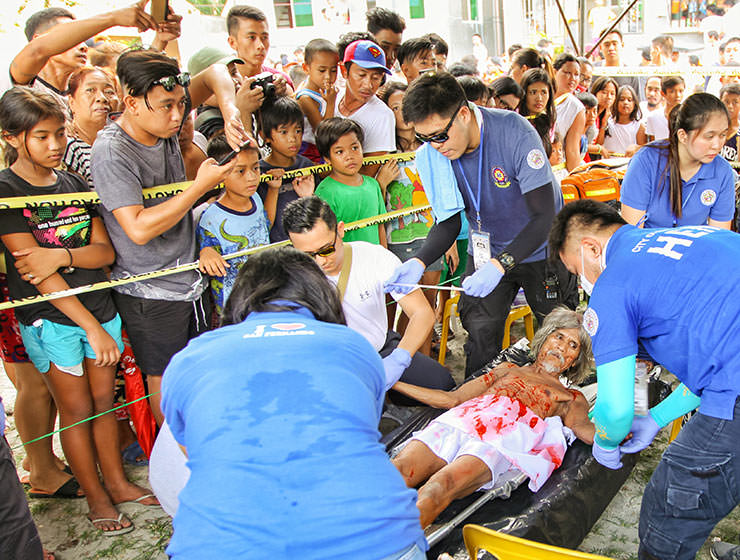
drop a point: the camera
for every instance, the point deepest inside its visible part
(264, 80)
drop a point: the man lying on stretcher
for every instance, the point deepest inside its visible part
(509, 418)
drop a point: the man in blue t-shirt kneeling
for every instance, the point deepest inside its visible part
(676, 291)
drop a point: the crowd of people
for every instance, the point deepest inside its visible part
(271, 367)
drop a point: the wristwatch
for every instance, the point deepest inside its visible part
(506, 260)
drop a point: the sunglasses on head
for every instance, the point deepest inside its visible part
(169, 82)
(441, 136)
(326, 250)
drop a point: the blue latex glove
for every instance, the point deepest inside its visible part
(408, 273)
(610, 458)
(483, 281)
(395, 364)
(644, 429)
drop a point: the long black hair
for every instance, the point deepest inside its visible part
(273, 279)
(543, 122)
(636, 113)
(600, 83)
(22, 108)
(692, 114)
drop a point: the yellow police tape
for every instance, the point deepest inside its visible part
(666, 71)
(375, 220)
(171, 189)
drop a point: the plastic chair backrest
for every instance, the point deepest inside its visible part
(507, 547)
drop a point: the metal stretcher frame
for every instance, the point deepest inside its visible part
(561, 513)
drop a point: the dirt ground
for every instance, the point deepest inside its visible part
(65, 530)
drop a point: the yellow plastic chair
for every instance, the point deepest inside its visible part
(506, 547)
(523, 312)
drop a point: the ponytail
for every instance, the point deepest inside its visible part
(692, 114)
(22, 108)
(533, 59)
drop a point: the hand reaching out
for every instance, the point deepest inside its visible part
(304, 186)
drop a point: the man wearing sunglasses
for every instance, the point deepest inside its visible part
(501, 178)
(359, 270)
(140, 149)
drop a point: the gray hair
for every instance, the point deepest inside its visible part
(564, 318)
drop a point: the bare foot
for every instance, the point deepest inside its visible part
(131, 492)
(49, 482)
(26, 464)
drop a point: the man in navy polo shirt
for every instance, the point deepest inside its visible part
(676, 291)
(506, 187)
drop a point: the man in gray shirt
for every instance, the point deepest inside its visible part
(141, 150)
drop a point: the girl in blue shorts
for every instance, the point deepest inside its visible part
(75, 341)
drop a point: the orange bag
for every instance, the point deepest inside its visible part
(597, 180)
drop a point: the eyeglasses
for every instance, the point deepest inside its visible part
(169, 82)
(442, 136)
(324, 251)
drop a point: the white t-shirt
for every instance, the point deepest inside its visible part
(657, 125)
(377, 122)
(620, 136)
(364, 299)
(566, 110)
(168, 470)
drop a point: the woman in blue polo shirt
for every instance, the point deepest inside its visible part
(681, 181)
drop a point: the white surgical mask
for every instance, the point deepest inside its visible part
(588, 286)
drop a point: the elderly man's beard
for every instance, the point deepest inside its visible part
(548, 364)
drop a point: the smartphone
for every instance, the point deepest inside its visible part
(160, 9)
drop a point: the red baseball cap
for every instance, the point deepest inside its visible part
(366, 54)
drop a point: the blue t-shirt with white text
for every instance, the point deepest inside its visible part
(279, 415)
(677, 291)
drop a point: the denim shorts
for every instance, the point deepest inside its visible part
(65, 346)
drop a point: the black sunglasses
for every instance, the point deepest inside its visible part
(326, 250)
(442, 136)
(169, 82)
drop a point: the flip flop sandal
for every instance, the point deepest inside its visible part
(69, 491)
(138, 502)
(131, 453)
(112, 532)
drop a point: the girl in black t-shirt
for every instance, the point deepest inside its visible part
(76, 340)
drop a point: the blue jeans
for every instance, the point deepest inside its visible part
(695, 485)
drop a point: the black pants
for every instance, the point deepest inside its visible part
(484, 318)
(159, 329)
(19, 539)
(423, 371)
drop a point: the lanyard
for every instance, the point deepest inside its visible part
(475, 200)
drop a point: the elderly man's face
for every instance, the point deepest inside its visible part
(559, 351)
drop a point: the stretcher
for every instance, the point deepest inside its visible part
(563, 511)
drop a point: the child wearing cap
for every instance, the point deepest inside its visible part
(363, 68)
(318, 94)
(352, 196)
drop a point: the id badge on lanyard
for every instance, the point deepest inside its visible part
(481, 247)
(480, 239)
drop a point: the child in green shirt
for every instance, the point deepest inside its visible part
(352, 196)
